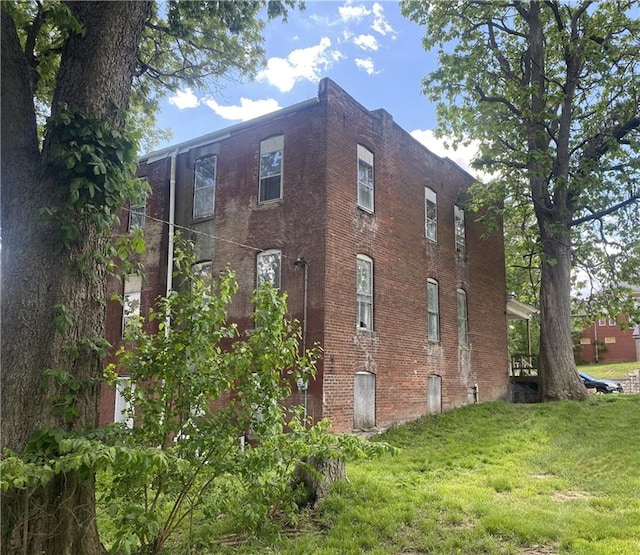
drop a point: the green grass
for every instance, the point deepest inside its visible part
(610, 370)
(495, 478)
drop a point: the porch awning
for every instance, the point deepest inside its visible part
(517, 310)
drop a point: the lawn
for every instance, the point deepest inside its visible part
(610, 370)
(496, 478)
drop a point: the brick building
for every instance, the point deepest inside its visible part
(610, 340)
(365, 230)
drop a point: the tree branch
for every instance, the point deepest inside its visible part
(605, 212)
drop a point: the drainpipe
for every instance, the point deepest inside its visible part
(300, 261)
(172, 221)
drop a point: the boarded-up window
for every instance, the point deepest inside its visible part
(122, 413)
(434, 394)
(268, 266)
(364, 401)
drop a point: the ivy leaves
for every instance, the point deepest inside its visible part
(94, 161)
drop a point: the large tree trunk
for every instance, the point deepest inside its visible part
(39, 276)
(558, 375)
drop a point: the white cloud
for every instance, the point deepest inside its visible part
(366, 64)
(303, 63)
(184, 99)
(366, 42)
(350, 11)
(380, 23)
(248, 109)
(462, 155)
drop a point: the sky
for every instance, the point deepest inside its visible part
(368, 48)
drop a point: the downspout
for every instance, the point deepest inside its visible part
(304, 386)
(172, 220)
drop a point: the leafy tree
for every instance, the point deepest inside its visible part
(550, 89)
(80, 64)
(197, 389)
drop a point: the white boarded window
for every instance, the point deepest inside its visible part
(365, 179)
(463, 318)
(204, 187)
(430, 215)
(270, 186)
(122, 412)
(131, 300)
(204, 272)
(458, 218)
(268, 265)
(433, 311)
(364, 285)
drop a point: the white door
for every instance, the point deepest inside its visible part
(434, 394)
(364, 401)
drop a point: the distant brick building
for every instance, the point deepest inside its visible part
(340, 206)
(610, 340)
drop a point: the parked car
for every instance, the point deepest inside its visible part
(601, 386)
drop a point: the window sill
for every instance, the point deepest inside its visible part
(366, 210)
(270, 203)
(202, 219)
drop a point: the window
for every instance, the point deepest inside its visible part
(365, 179)
(137, 215)
(122, 413)
(203, 271)
(430, 215)
(131, 301)
(268, 267)
(364, 285)
(602, 322)
(458, 217)
(612, 322)
(433, 314)
(463, 320)
(204, 187)
(270, 187)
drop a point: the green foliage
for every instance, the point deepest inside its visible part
(198, 388)
(193, 44)
(549, 89)
(211, 433)
(96, 160)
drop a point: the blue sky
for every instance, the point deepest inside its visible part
(368, 48)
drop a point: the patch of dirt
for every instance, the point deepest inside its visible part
(570, 495)
(537, 550)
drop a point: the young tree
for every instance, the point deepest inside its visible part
(61, 188)
(550, 89)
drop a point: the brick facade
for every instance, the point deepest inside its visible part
(606, 341)
(319, 220)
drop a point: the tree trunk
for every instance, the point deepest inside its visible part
(316, 475)
(41, 281)
(558, 375)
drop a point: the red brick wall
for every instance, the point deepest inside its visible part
(398, 351)
(318, 219)
(154, 261)
(620, 344)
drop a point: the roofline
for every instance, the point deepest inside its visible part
(221, 134)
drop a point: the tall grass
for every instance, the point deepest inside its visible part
(495, 478)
